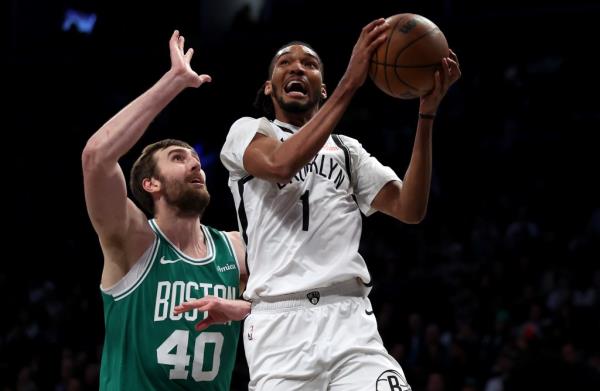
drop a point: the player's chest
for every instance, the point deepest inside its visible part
(329, 168)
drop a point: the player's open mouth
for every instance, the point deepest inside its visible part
(197, 182)
(295, 88)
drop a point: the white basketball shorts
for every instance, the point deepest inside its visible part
(318, 340)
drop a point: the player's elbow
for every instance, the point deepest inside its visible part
(94, 156)
(413, 220)
(269, 166)
(89, 156)
(272, 171)
(282, 172)
(414, 216)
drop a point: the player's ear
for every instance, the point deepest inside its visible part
(268, 88)
(151, 184)
(323, 91)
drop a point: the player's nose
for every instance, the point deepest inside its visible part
(297, 67)
(195, 165)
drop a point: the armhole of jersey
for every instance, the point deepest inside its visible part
(135, 275)
(232, 251)
(242, 218)
(347, 157)
(241, 211)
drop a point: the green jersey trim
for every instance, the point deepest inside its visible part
(232, 252)
(128, 291)
(210, 246)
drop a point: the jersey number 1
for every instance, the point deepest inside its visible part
(305, 210)
(178, 340)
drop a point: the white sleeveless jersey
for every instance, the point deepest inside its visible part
(304, 233)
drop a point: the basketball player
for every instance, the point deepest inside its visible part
(152, 266)
(299, 191)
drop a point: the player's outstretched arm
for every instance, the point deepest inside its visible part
(113, 215)
(104, 182)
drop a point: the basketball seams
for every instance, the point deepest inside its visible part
(395, 65)
(387, 47)
(415, 40)
(411, 43)
(411, 80)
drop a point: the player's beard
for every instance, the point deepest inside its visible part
(189, 200)
(295, 106)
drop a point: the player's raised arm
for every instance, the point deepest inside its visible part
(296, 88)
(407, 202)
(112, 214)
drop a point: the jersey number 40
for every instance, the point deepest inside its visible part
(178, 340)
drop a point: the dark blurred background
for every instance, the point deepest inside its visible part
(497, 290)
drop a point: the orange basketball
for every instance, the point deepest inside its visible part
(404, 65)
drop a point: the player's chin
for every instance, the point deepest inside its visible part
(296, 99)
(199, 191)
(297, 105)
(204, 192)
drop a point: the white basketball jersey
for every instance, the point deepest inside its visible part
(304, 233)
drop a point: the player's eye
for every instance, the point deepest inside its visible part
(311, 64)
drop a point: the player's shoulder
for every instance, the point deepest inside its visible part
(235, 238)
(231, 235)
(243, 120)
(245, 125)
(213, 230)
(356, 152)
(345, 138)
(348, 142)
(239, 247)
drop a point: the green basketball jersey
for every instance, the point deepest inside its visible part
(146, 346)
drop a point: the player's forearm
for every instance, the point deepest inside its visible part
(300, 149)
(119, 134)
(417, 181)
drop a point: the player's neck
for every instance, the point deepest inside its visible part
(184, 232)
(296, 119)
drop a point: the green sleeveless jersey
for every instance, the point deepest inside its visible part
(146, 346)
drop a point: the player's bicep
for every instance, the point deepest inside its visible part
(387, 199)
